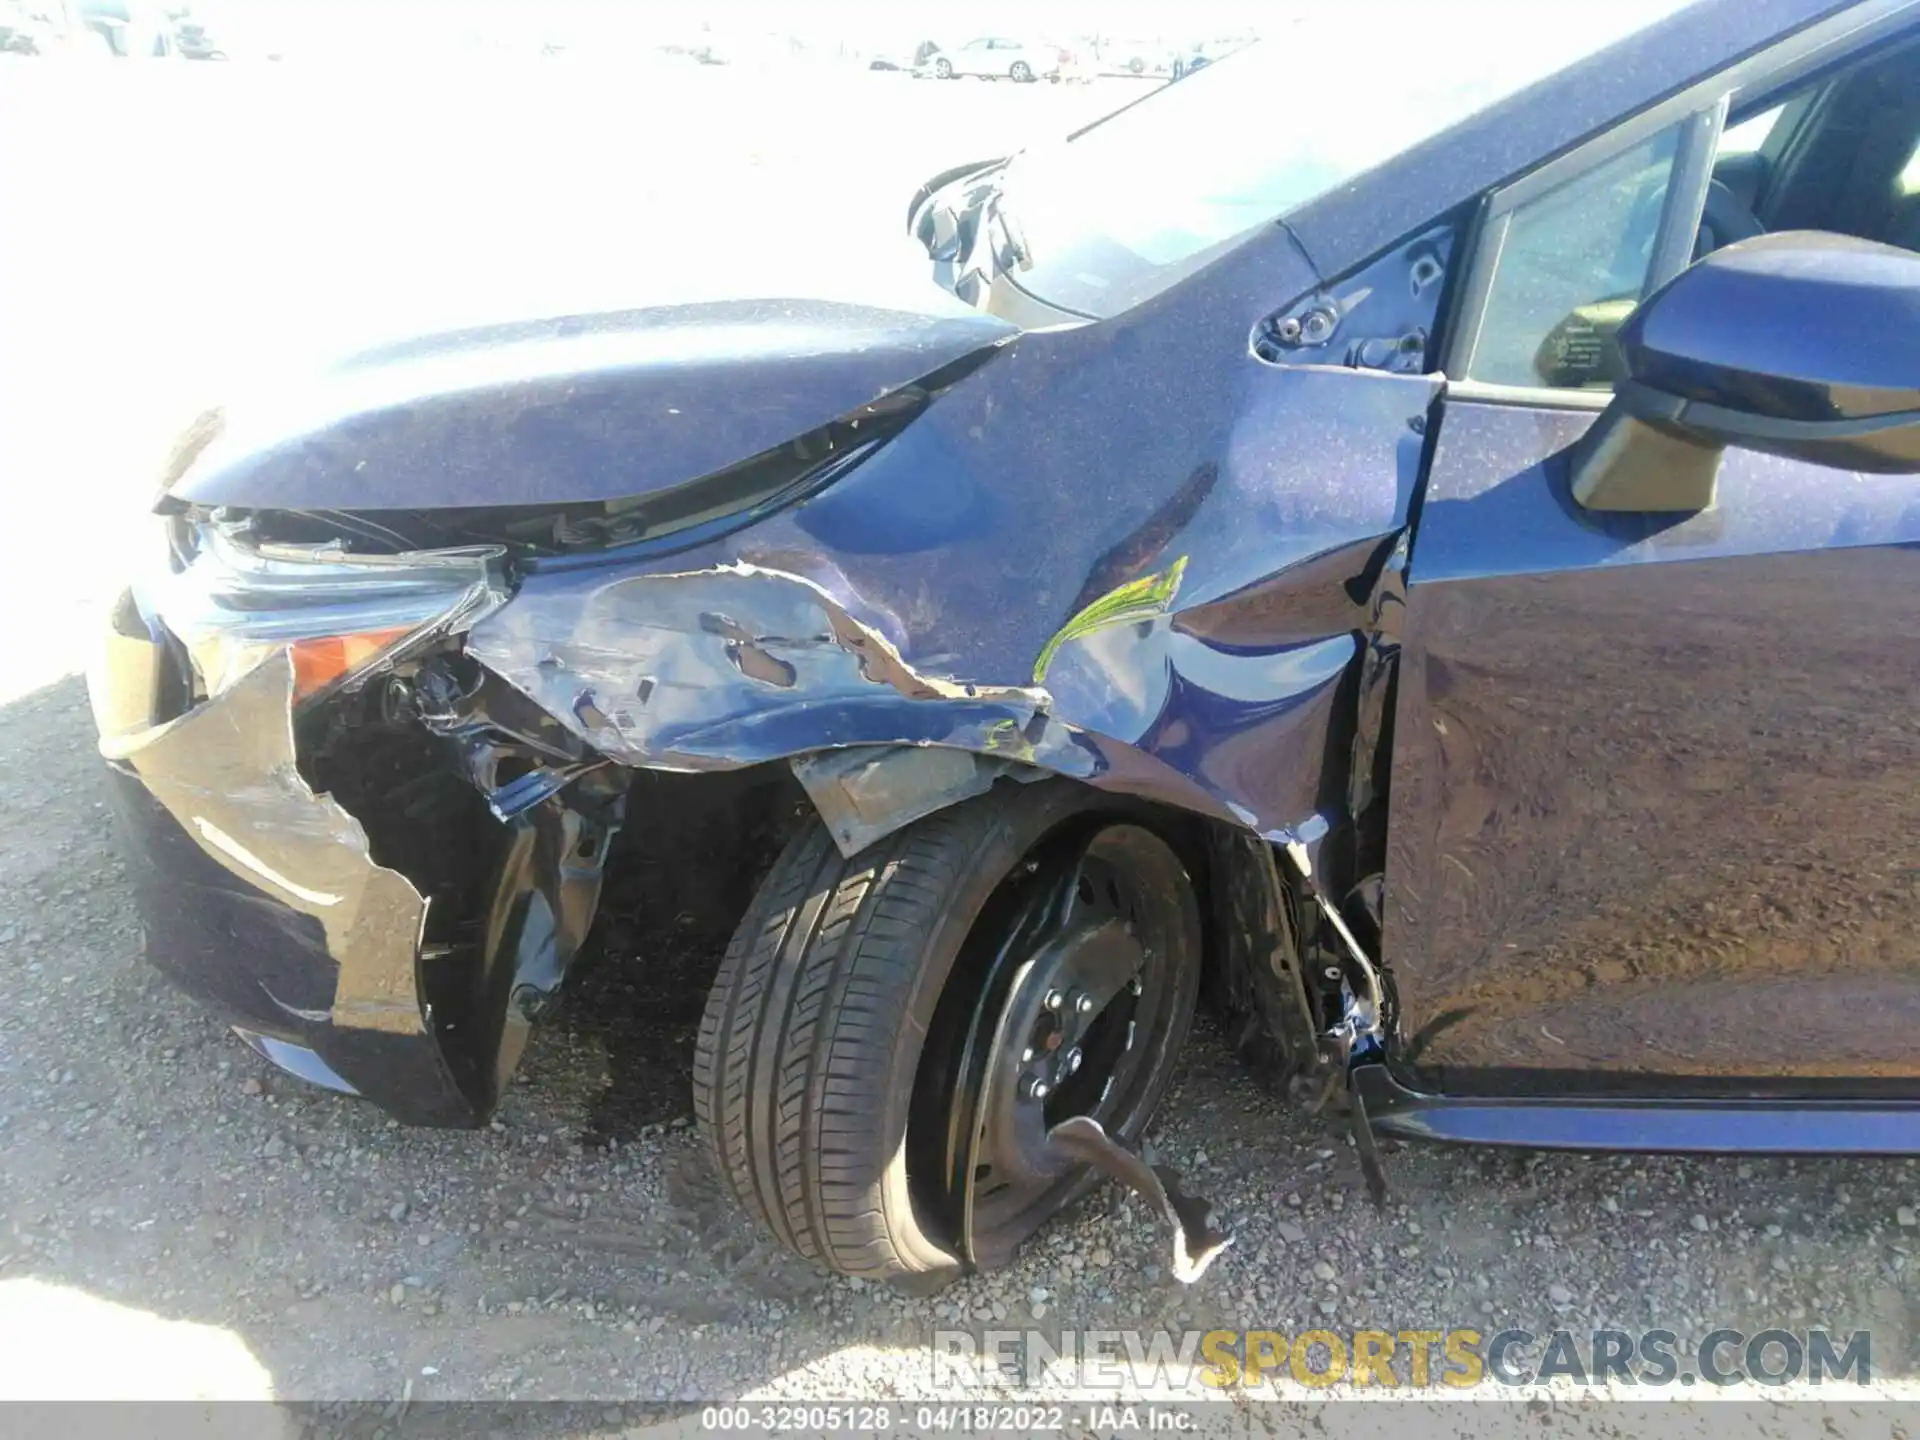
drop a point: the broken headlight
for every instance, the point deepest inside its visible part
(229, 605)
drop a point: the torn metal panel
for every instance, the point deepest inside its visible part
(227, 772)
(727, 667)
(866, 793)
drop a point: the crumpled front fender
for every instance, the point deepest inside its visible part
(1197, 656)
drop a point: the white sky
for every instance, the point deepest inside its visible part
(887, 24)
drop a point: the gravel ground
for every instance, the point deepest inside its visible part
(248, 1236)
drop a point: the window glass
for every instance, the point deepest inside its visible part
(1571, 270)
(1749, 136)
(1908, 183)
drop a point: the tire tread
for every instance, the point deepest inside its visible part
(809, 1001)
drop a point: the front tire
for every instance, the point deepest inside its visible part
(943, 69)
(1021, 72)
(819, 1077)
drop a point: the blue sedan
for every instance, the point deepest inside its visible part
(1418, 558)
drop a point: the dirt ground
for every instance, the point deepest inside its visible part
(178, 1219)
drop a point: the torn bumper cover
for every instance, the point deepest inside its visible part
(235, 857)
(713, 669)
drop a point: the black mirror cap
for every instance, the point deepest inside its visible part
(1802, 344)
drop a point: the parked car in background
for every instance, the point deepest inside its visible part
(997, 58)
(909, 57)
(1136, 57)
(1206, 52)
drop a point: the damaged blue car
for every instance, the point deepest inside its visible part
(1425, 565)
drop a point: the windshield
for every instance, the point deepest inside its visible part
(1156, 190)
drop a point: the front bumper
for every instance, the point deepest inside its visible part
(261, 898)
(252, 959)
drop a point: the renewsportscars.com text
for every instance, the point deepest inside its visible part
(1456, 1358)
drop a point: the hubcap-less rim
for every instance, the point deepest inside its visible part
(1075, 1010)
(1064, 1044)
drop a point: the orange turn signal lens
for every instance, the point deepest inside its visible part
(318, 663)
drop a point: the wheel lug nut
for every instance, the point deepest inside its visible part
(1133, 986)
(1084, 1005)
(1073, 1061)
(1026, 1055)
(1055, 999)
(1039, 1089)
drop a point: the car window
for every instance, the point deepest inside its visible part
(1749, 137)
(1571, 268)
(1573, 261)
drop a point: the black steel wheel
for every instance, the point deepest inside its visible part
(1071, 996)
(891, 1036)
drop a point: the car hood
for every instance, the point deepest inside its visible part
(592, 404)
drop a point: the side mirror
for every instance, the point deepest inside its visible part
(1801, 344)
